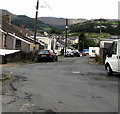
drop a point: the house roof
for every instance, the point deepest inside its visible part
(24, 30)
(63, 44)
(20, 33)
(73, 38)
(12, 29)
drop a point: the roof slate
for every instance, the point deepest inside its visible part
(9, 28)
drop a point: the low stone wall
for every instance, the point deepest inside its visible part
(3, 59)
(15, 57)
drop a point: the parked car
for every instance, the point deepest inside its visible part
(69, 54)
(86, 51)
(46, 55)
(84, 54)
(77, 53)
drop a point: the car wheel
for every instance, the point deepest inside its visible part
(52, 59)
(56, 59)
(36, 59)
(109, 71)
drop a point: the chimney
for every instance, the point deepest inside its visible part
(7, 18)
(23, 26)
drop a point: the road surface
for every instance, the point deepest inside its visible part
(75, 84)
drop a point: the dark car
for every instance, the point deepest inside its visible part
(46, 55)
(77, 53)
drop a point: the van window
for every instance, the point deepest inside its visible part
(93, 51)
(114, 48)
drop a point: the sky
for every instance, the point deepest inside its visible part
(87, 9)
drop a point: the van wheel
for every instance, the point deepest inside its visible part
(109, 71)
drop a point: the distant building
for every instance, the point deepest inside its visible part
(114, 37)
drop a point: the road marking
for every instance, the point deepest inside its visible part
(76, 72)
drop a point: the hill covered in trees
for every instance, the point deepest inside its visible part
(60, 23)
(29, 23)
(97, 26)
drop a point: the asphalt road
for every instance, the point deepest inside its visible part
(70, 85)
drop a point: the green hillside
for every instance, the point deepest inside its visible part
(97, 26)
(29, 23)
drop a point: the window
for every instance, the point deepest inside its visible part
(93, 51)
(5, 39)
(114, 48)
(18, 42)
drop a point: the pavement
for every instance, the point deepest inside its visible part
(16, 63)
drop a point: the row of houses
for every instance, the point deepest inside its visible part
(21, 39)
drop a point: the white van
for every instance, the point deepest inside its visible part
(93, 51)
(112, 62)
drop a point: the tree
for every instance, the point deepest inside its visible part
(90, 43)
(81, 42)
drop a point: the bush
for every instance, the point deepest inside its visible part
(99, 59)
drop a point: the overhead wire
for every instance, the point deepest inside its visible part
(47, 5)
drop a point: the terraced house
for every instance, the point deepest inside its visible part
(14, 38)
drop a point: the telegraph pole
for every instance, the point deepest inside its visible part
(35, 26)
(66, 35)
(35, 31)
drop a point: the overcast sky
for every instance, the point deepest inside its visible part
(88, 9)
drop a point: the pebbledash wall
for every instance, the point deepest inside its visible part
(0, 66)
